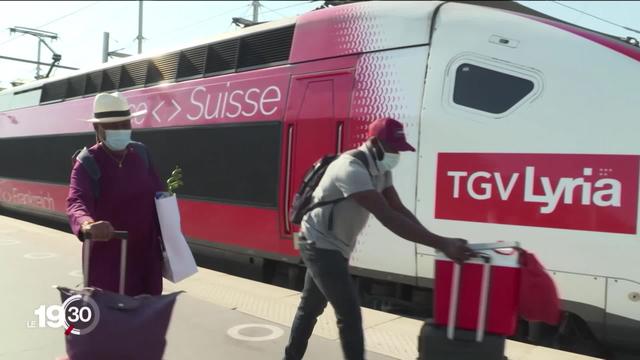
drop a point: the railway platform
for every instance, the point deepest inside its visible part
(218, 317)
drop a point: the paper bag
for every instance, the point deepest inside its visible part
(179, 263)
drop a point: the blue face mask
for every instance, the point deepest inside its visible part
(117, 140)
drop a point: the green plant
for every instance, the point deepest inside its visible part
(175, 180)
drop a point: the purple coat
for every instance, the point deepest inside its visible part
(126, 200)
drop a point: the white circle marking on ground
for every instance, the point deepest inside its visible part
(234, 332)
(4, 242)
(40, 255)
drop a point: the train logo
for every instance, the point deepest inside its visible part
(548, 190)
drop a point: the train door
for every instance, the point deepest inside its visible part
(389, 83)
(316, 113)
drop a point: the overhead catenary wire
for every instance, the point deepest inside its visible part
(70, 14)
(285, 7)
(248, 11)
(53, 21)
(174, 32)
(597, 17)
(271, 10)
(178, 30)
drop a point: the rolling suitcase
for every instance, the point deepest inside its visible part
(102, 325)
(503, 295)
(433, 344)
(437, 342)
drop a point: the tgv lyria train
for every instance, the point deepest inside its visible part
(526, 130)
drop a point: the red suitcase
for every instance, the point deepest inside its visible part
(499, 293)
(437, 342)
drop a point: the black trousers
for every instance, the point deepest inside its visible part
(327, 279)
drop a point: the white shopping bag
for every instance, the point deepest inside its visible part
(179, 263)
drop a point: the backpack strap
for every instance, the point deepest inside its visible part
(142, 151)
(74, 157)
(360, 156)
(92, 168)
(321, 204)
(357, 154)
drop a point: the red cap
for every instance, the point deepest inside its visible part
(391, 132)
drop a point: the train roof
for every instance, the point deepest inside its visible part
(516, 7)
(229, 35)
(619, 44)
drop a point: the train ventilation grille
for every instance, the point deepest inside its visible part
(258, 50)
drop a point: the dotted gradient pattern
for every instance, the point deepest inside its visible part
(377, 93)
(358, 29)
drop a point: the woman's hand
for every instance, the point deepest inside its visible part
(98, 231)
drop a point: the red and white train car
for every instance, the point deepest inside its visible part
(526, 130)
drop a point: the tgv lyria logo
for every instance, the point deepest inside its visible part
(585, 190)
(569, 191)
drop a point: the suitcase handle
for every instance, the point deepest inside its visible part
(484, 298)
(123, 236)
(494, 246)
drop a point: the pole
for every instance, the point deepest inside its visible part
(38, 66)
(105, 47)
(140, 28)
(256, 7)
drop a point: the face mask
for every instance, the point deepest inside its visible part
(117, 140)
(388, 162)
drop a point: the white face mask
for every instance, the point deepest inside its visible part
(388, 162)
(117, 140)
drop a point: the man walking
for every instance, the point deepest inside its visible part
(328, 234)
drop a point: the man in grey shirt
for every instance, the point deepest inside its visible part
(328, 234)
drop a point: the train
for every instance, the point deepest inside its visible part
(525, 129)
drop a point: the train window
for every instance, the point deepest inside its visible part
(228, 163)
(265, 48)
(133, 74)
(93, 83)
(110, 79)
(162, 69)
(191, 63)
(75, 86)
(488, 90)
(53, 91)
(222, 57)
(29, 153)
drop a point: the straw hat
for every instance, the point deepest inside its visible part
(109, 108)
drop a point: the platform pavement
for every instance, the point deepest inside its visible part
(34, 258)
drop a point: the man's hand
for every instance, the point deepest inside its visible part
(98, 231)
(456, 249)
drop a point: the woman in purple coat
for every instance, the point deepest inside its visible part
(123, 201)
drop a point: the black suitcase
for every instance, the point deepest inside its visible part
(448, 343)
(433, 344)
